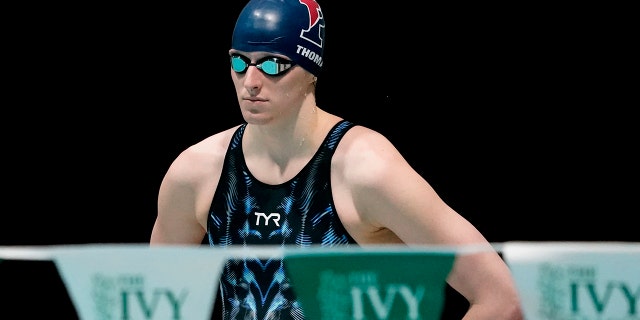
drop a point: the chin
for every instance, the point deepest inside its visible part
(256, 119)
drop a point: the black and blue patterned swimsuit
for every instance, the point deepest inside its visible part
(245, 211)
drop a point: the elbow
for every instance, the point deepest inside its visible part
(513, 311)
(504, 310)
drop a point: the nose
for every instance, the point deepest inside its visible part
(253, 79)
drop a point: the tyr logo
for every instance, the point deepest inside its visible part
(275, 215)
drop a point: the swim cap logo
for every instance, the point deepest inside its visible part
(316, 23)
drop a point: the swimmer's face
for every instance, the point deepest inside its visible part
(265, 97)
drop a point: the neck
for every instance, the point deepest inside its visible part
(288, 139)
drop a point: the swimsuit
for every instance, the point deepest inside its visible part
(247, 212)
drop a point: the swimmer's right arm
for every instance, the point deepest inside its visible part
(176, 221)
(186, 191)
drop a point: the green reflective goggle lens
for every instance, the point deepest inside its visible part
(270, 65)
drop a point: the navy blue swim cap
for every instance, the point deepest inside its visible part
(294, 28)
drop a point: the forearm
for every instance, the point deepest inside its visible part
(487, 284)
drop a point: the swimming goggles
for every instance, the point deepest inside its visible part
(270, 65)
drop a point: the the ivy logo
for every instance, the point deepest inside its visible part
(352, 284)
(576, 292)
(127, 297)
(361, 294)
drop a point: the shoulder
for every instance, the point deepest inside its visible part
(366, 156)
(377, 193)
(202, 158)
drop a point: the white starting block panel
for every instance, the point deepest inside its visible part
(576, 280)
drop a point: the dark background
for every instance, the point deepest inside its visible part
(522, 122)
(521, 118)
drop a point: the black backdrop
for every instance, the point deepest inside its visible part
(515, 115)
(518, 120)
